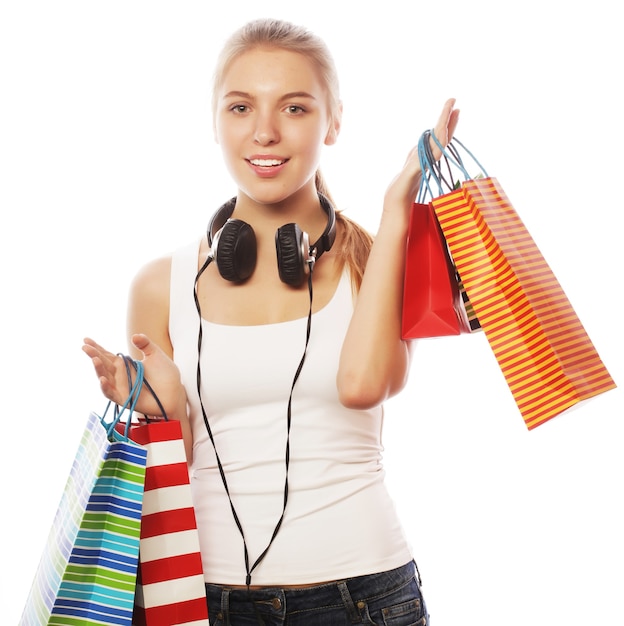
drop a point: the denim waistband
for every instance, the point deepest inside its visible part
(347, 592)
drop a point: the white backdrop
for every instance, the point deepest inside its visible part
(107, 160)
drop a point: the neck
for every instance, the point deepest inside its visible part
(302, 208)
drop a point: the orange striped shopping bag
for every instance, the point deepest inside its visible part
(545, 354)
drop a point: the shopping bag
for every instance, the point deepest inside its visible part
(547, 358)
(435, 301)
(170, 584)
(87, 572)
(433, 305)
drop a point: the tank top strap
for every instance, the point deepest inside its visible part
(184, 263)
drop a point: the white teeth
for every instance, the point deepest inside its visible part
(265, 162)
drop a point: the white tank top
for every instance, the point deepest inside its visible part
(340, 521)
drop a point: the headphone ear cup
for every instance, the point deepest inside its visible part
(290, 262)
(235, 254)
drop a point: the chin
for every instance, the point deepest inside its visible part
(269, 196)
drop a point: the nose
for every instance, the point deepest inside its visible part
(266, 131)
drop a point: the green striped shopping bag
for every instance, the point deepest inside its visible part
(87, 573)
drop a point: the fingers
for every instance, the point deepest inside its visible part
(105, 363)
(92, 347)
(148, 347)
(445, 127)
(103, 360)
(453, 120)
(142, 343)
(105, 366)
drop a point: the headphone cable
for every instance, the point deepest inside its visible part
(249, 569)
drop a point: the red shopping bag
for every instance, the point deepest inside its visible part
(433, 305)
(170, 585)
(545, 354)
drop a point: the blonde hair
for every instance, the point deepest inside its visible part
(271, 33)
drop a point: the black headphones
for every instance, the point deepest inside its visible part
(233, 245)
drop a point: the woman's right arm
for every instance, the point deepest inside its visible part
(148, 339)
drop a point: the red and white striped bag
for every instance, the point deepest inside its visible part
(170, 583)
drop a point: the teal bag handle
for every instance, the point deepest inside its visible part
(432, 169)
(130, 362)
(128, 406)
(135, 388)
(455, 157)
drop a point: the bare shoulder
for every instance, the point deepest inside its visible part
(152, 280)
(148, 302)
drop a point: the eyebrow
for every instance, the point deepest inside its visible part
(298, 94)
(287, 96)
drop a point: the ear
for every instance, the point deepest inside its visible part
(215, 134)
(334, 127)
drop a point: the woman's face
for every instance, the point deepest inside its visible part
(272, 120)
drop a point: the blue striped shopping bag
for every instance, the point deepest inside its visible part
(88, 569)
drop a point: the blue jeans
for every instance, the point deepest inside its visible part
(390, 598)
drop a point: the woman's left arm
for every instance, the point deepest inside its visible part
(374, 362)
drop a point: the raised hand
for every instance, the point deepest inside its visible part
(403, 189)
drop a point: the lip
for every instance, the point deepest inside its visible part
(264, 165)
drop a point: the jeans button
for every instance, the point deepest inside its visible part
(276, 603)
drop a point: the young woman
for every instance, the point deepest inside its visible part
(300, 345)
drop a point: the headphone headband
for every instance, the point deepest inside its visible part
(218, 220)
(326, 240)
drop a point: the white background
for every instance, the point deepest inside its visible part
(107, 160)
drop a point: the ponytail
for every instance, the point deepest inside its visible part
(355, 242)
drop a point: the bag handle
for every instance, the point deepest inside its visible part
(432, 169)
(135, 387)
(455, 157)
(128, 362)
(129, 405)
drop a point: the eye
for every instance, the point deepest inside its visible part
(239, 108)
(295, 109)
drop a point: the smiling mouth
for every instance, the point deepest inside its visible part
(267, 162)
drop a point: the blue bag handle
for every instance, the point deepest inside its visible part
(129, 361)
(135, 387)
(432, 169)
(128, 406)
